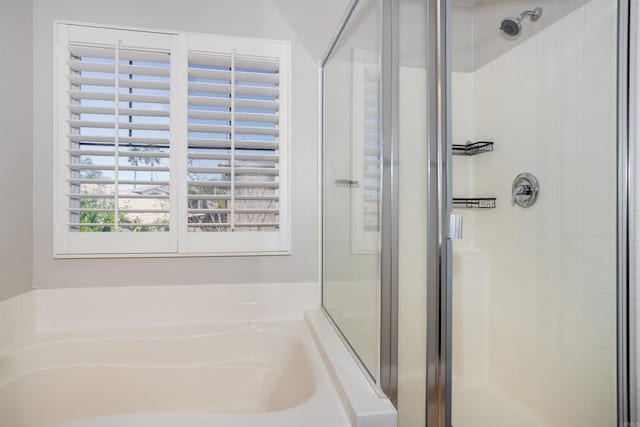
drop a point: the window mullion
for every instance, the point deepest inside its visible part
(179, 145)
(130, 117)
(116, 142)
(233, 140)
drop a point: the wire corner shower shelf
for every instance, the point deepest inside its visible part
(472, 148)
(474, 202)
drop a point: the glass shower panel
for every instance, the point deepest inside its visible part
(352, 182)
(534, 283)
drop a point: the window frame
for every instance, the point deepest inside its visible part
(178, 241)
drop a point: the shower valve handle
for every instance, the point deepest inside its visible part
(520, 190)
(524, 191)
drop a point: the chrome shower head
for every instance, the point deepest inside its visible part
(512, 26)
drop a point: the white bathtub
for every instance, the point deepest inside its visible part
(194, 356)
(233, 375)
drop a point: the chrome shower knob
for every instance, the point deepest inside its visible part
(525, 189)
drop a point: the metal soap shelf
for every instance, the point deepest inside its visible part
(474, 202)
(472, 148)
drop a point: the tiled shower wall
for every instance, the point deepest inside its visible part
(549, 106)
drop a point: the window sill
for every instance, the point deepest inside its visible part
(172, 255)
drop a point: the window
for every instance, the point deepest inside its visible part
(170, 143)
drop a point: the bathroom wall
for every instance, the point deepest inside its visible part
(15, 135)
(549, 311)
(462, 39)
(308, 24)
(486, 16)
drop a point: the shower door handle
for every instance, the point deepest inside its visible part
(455, 226)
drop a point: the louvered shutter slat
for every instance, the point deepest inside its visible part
(264, 78)
(124, 140)
(123, 97)
(107, 111)
(122, 125)
(111, 196)
(209, 101)
(100, 67)
(128, 83)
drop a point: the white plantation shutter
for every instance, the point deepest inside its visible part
(366, 169)
(133, 106)
(114, 190)
(371, 153)
(237, 131)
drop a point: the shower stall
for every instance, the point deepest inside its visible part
(478, 208)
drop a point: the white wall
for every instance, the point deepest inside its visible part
(549, 106)
(462, 39)
(15, 136)
(480, 22)
(308, 24)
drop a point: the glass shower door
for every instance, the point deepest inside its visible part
(535, 289)
(376, 171)
(352, 184)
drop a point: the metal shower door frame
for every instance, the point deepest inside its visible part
(438, 265)
(627, 110)
(439, 200)
(439, 285)
(389, 82)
